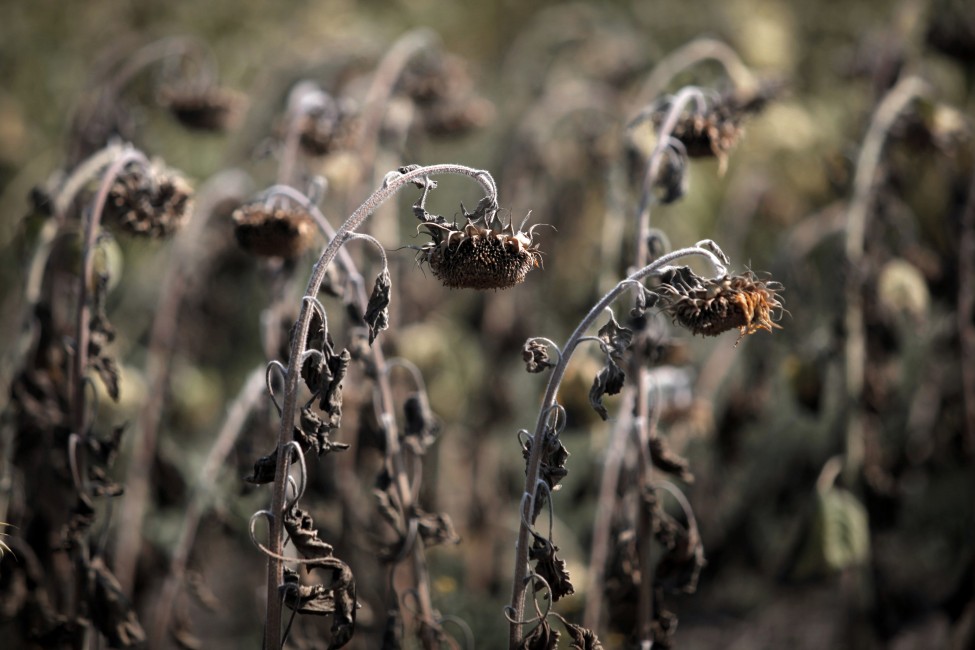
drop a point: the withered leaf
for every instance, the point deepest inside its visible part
(319, 340)
(581, 638)
(338, 599)
(377, 309)
(645, 300)
(336, 367)
(683, 559)
(681, 565)
(312, 434)
(388, 504)
(543, 637)
(111, 611)
(614, 339)
(665, 459)
(436, 528)
(264, 470)
(535, 355)
(420, 427)
(304, 535)
(609, 381)
(101, 334)
(551, 567)
(552, 470)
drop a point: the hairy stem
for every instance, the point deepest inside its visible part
(521, 570)
(394, 451)
(278, 497)
(681, 100)
(78, 406)
(855, 353)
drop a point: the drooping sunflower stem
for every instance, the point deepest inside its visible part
(125, 157)
(522, 570)
(392, 184)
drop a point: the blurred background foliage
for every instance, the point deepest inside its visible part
(798, 555)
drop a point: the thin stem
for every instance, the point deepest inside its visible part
(681, 100)
(238, 412)
(161, 50)
(644, 535)
(384, 80)
(393, 183)
(966, 312)
(892, 105)
(79, 412)
(615, 452)
(702, 49)
(303, 98)
(187, 263)
(548, 402)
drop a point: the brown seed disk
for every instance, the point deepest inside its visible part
(206, 109)
(484, 260)
(147, 207)
(727, 303)
(276, 232)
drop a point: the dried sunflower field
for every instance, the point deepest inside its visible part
(529, 326)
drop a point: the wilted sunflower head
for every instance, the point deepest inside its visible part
(273, 230)
(479, 257)
(152, 201)
(711, 306)
(204, 107)
(714, 132)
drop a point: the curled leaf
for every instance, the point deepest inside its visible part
(614, 339)
(101, 334)
(665, 459)
(377, 309)
(420, 426)
(609, 381)
(535, 355)
(334, 369)
(581, 638)
(552, 470)
(304, 535)
(436, 528)
(549, 566)
(543, 637)
(338, 599)
(111, 612)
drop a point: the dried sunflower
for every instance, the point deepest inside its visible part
(204, 107)
(273, 231)
(710, 307)
(153, 202)
(477, 257)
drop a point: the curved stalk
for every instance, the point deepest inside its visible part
(275, 566)
(521, 569)
(855, 353)
(79, 412)
(702, 49)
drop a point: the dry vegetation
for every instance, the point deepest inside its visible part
(275, 276)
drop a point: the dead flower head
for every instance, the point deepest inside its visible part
(204, 107)
(273, 230)
(329, 125)
(151, 202)
(714, 132)
(479, 257)
(709, 307)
